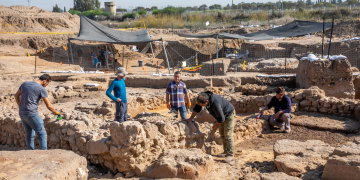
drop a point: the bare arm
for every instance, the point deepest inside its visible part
(49, 105)
(17, 97)
(193, 114)
(264, 109)
(187, 97)
(167, 98)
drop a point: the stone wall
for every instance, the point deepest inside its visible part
(254, 89)
(131, 147)
(334, 77)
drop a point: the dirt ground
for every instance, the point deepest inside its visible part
(251, 155)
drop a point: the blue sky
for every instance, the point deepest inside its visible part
(48, 4)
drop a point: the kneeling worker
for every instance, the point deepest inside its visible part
(283, 114)
(224, 113)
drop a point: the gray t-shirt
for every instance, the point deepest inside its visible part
(31, 93)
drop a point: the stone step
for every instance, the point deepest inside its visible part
(325, 122)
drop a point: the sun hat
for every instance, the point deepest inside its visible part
(121, 72)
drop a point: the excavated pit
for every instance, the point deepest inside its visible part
(89, 131)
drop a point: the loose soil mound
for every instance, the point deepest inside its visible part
(34, 19)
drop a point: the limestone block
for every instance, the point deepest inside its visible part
(180, 163)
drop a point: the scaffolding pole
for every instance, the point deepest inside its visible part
(217, 46)
(72, 58)
(152, 51)
(167, 60)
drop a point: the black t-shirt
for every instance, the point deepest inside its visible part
(102, 53)
(80, 52)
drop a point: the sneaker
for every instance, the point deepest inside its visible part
(288, 131)
(229, 159)
(222, 155)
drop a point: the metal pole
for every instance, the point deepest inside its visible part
(72, 58)
(35, 60)
(332, 27)
(223, 68)
(223, 51)
(213, 68)
(285, 59)
(152, 51)
(167, 60)
(217, 46)
(107, 58)
(323, 36)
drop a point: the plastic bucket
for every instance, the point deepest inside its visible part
(141, 63)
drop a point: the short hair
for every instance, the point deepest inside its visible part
(280, 90)
(46, 77)
(202, 98)
(177, 72)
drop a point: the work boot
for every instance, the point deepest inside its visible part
(229, 159)
(222, 155)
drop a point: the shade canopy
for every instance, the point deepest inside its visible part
(293, 29)
(92, 31)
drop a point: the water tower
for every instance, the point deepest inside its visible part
(110, 7)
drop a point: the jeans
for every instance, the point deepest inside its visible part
(226, 130)
(121, 112)
(182, 111)
(34, 124)
(283, 120)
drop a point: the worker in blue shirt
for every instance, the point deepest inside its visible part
(118, 85)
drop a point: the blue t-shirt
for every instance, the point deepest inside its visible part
(31, 93)
(119, 90)
(283, 105)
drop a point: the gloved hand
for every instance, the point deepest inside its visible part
(189, 104)
(57, 113)
(168, 105)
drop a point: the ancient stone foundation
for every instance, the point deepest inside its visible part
(39, 164)
(333, 76)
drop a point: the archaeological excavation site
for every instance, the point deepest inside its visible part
(243, 65)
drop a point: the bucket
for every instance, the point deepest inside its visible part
(183, 64)
(141, 63)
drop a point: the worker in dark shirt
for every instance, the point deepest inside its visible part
(224, 113)
(283, 114)
(80, 53)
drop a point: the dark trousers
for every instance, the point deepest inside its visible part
(121, 112)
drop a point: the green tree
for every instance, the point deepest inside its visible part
(154, 8)
(85, 5)
(203, 7)
(56, 8)
(308, 2)
(97, 4)
(301, 5)
(339, 1)
(64, 9)
(351, 2)
(215, 7)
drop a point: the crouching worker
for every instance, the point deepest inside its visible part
(224, 113)
(27, 98)
(283, 114)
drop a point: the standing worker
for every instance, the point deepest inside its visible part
(175, 93)
(224, 113)
(283, 114)
(80, 53)
(27, 98)
(118, 85)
